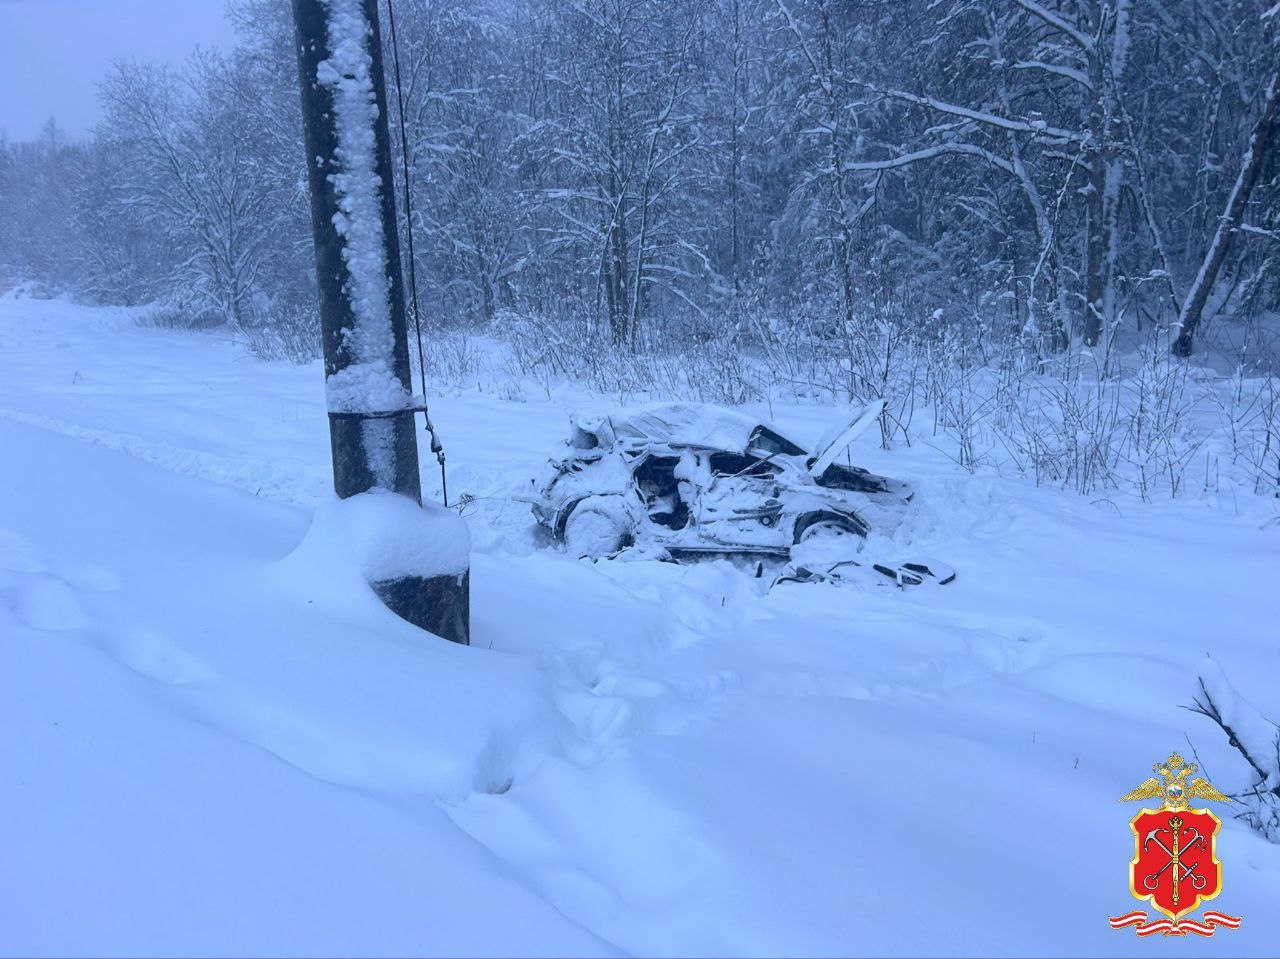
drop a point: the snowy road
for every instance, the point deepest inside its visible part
(207, 753)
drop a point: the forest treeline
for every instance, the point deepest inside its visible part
(651, 172)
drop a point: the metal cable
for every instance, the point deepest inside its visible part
(436, 446)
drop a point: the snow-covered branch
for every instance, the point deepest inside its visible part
(985, 117)
(1083, 40)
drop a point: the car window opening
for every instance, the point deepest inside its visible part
(736, 464)
(765, 440)
(660, 491)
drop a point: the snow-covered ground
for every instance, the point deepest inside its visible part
(205, 751)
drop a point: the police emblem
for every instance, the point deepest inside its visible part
(1175, 867)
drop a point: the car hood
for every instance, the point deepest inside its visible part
(836, 440)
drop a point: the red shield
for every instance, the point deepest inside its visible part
(1174, 865)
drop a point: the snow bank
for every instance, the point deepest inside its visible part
(379, 536)
(205, 766)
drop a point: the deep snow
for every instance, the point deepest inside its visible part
(209, 750)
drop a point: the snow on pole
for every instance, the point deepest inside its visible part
(368, 382)
(357, 250)
(362, 316)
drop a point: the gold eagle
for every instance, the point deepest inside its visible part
(1172, 788)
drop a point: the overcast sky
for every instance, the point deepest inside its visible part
(53, 52)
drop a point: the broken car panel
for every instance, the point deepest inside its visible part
(682, 480)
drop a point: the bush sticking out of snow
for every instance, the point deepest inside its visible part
(1255, 737)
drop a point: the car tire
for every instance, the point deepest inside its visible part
(596, 527)
(825, 524)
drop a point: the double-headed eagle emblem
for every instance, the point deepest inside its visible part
(1175, 867)
(1172, 787)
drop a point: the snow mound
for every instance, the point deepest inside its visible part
(379, 536)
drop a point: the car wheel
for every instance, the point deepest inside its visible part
(824, 540)
(826, 529)
(597, 526)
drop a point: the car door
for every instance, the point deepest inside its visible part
(739, 506)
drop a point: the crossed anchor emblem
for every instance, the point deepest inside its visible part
(1181, 871)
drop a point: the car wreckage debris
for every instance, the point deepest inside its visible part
(902, 575)
(684, 481)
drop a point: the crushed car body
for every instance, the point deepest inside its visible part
(681, 480)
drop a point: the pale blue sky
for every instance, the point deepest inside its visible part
(53, 52)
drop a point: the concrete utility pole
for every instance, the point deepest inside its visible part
(362, 305)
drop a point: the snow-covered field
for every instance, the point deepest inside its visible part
(206, 752)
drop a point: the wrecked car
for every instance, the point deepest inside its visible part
(683, 480)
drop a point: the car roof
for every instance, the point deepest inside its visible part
(700, 425)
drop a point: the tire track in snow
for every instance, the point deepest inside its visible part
(268, 478)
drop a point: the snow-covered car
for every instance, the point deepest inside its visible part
(691, 479)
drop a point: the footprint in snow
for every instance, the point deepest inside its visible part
(600, 720)
(577, 894)
(155, 656)
(47, 603)
(37, 597)
(17, 555)
(95, 579)
(1003, 654)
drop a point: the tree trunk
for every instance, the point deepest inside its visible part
(1095, 214)
(1229, 222)
(735, 161)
